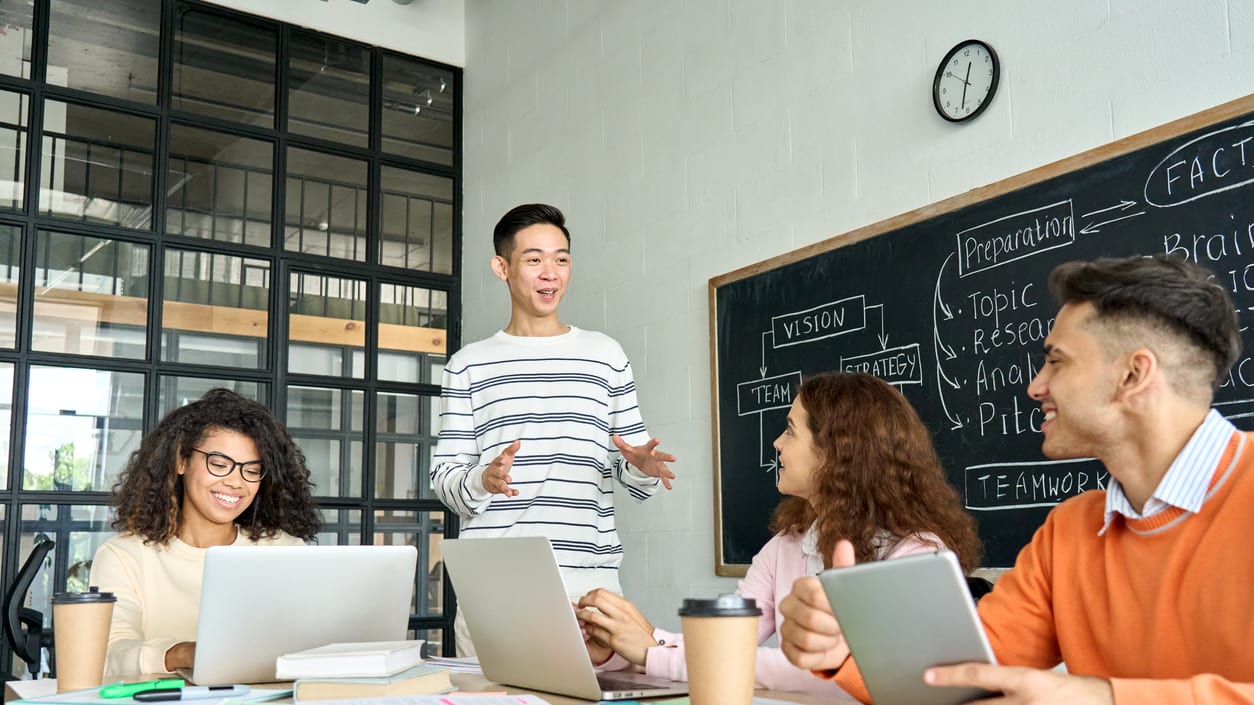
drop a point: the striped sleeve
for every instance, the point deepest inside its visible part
(625, 421)
(456, 471)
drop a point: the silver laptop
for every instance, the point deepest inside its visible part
(523, 625)
(260, 602)
(904, 615)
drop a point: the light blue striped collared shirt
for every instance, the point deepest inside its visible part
(1187, 479)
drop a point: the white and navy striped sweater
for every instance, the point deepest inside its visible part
(562, 396)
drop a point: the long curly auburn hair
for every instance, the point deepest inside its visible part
(878, 473)
(148, 496)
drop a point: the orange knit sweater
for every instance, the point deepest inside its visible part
(1162, 607)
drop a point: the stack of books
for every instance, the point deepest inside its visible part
(361, 670)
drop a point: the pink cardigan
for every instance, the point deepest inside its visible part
(770, 578)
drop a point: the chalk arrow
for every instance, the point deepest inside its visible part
(954, 420)
(949, 352)
(768, 463)
(883, 335)
(945, 309)
(762, 369)
(1097, 227)
(1122, 205)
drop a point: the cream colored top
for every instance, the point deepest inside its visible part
(158, 591)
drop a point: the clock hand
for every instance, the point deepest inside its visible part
(966, 82)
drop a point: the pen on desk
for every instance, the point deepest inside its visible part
(126, 690)
(196, 692)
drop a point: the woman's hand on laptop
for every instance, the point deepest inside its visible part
(613, 620)
(181, 655)
(810, 636)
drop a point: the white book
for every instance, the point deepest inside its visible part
(372, 658)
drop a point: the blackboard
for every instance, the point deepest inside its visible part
(949, 303)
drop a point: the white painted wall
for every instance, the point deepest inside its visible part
(687, 139)
(431, 29)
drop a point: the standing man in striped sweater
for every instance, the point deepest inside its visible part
(541, 419)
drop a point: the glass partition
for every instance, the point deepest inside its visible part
(328, 426)
(109, 48)
(326, 205)
(418, 114)
(413, 326)
(91, 296)
(96, 165)
(10, 271)
(215, 309)
(14, 108)
(326, 325)
(175, 391)
(81, 426)
(224, 67)
(417, 219)
(219, 186)
(328, 94)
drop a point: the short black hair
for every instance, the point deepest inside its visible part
(523, 216)
(1168, 293)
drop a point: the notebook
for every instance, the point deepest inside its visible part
(260, 602)
(523, 625)
(903, 616)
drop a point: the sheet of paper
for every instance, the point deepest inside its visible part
(91, 697)
(446, 699)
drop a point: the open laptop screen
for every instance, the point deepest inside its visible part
(260, 602)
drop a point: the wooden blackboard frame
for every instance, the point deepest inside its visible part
(1062, 167)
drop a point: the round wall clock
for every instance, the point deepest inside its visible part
(966, 81)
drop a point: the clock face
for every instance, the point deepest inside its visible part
(965, 81)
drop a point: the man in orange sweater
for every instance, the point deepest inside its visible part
(1145, 591)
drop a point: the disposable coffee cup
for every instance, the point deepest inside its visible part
(720, 649)
(80, 626)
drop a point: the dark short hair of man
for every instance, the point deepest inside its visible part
(524, 216)
(1163, 293)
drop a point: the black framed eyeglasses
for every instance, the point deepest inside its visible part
(221, 465)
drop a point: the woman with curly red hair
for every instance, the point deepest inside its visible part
(857, 464)
(220, 471)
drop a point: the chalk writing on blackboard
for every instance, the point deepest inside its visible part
(952, 307)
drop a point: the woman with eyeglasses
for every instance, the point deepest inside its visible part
(220, 471)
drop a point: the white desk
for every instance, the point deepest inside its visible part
(15, 690)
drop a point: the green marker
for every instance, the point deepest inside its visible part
(126, 690)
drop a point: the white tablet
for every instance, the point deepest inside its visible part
(904, 615)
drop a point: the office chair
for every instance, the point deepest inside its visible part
(23, 626)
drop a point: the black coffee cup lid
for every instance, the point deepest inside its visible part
(93, 594)
(728, 605)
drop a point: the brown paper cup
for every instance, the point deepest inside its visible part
(80, 624)
(721, 654)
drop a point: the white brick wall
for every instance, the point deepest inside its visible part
(687, 139)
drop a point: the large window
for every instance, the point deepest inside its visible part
(192, 198)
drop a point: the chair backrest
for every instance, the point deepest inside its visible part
(979, 587)
(23, 626)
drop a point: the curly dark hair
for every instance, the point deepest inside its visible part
(1163, 294)
(148, 495)
(878, 473)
